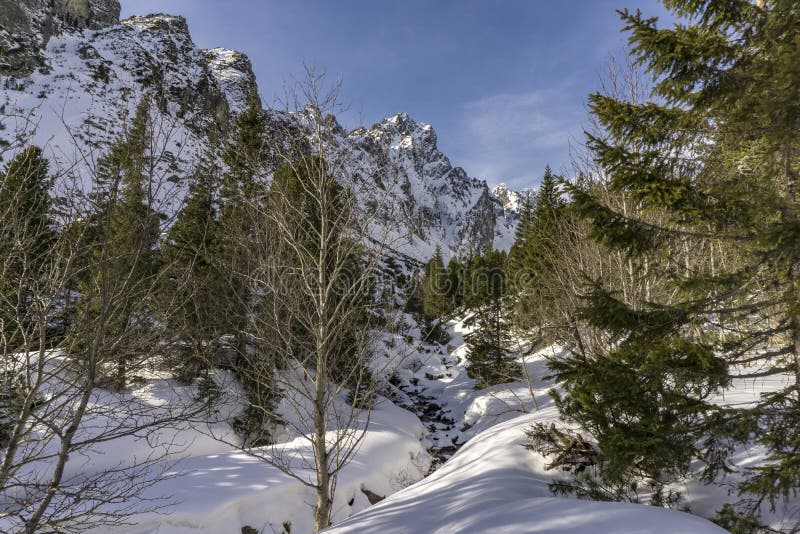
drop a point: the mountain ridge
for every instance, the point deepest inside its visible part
(77, 86)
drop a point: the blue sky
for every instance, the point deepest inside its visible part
(503, 82)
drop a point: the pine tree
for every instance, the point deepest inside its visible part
(474, 282)
(518, 251)
(241, 199)
(488, 344)
(121, 259)
(715, 155)
(244, 157)
(25, 203)
(455, 284)
(26, 236)
(413, 294)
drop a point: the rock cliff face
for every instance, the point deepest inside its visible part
(26, 26)
(77, 82)
(95, 14)
(440, 205)
(71, 74)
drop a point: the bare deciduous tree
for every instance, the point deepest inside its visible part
(315, 250)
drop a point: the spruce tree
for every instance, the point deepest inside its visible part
(25, 204)
(435, 301)
(489, 358)
(193, 283)
(121, 258)
(244, 156)
(715, 155)
(455, 284)
(241, 198)
(530, 259)
(436, 298)
(474, 285)
(26, 236)
(242, 195)
(518, 251)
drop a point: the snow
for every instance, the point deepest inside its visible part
(429, 203)
(232, 70)
(494, 484)
(223, 491)
(200, 482)
(207, 485)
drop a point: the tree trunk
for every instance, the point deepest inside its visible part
(322, 511)
(122, 372)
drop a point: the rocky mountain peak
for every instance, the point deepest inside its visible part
(402, 123)
(437, 204)
(408, 132)
(161, 22)
(510, 200)
(233, 72)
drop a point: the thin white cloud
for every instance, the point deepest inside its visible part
(511, 136)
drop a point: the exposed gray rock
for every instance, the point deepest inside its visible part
(158, 50)
(12, 17)
(93, 14)
(440, 204)
(510, 200)
(26, 26)
(24, 29)
(89, 82)
(234, 75)
(372, 497)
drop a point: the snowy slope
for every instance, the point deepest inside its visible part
(488, 424)
(202, 484)
(493, 484)
(224, 490)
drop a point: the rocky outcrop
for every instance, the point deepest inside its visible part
(233, 73)
(24, 29)
(158, 50)
(26, 26)
(510, 200)
(91, 75)
(93, 14)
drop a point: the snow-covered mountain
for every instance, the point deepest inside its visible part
(73, 72)
(439, 204)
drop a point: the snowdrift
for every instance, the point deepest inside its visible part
(493, 484)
